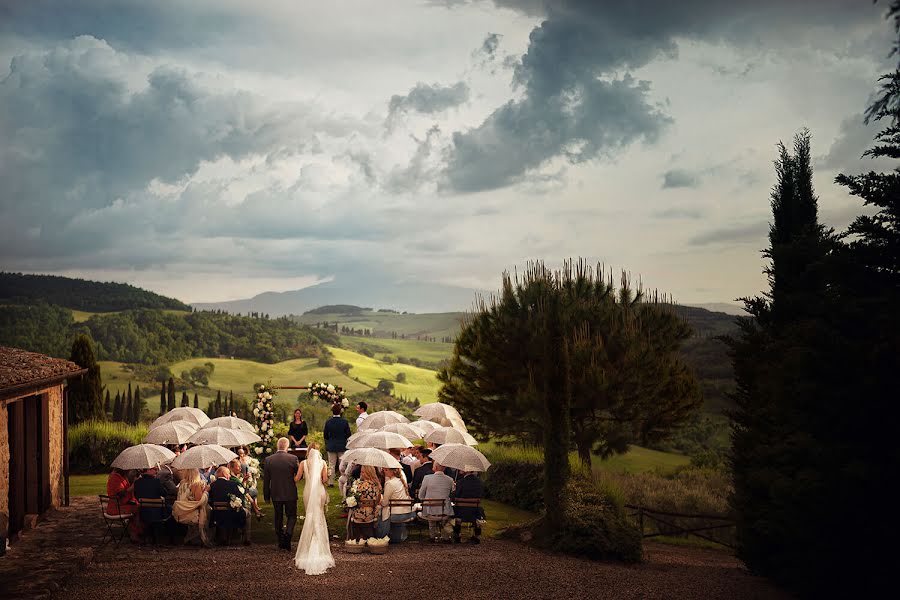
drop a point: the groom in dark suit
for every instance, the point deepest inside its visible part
(280, 485)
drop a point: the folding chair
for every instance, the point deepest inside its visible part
(405, 506)
(470, 507)
(223, 518)
(112, 521)
(153, 514)
(440, 518)
(355, 526)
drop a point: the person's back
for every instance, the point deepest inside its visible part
(148, 487)
(468, 486)
(424, 470)
(336, 432)
(436, 486)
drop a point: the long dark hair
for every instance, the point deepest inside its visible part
(297, 410)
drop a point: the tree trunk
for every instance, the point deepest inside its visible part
(556, 447)
(584, 452)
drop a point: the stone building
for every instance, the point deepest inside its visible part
(33, 465)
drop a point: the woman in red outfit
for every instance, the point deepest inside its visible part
(121, 487)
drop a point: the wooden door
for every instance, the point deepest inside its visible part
(29, 460)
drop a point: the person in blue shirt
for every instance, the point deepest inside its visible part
(336, 432)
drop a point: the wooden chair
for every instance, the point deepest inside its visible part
(153, 514)
(440, 518)
(356, 525)
(471, 506)
(223, 518)
(113, 520)
(405, 506)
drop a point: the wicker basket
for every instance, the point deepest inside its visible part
(379, 549)
(354, 548)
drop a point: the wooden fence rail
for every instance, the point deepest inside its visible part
(666, 519)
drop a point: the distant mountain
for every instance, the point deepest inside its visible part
(729, 308)
(80, 294)
(415, 297)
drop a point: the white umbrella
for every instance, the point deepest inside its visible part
(200, 457)
(379, 439)
(174, 432)
(404, 429)
(182, 413)
(442, 414)
(379, 419)
(230, 423)
(142, 456)
(371, 457)
(448, 435)
(227, 438)
(424, 427)
(460, 457)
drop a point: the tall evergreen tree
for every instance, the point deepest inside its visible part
(162, 399)
(138, 406)
(85, 393)
(117, 407)
(171, 393)
(129, 403)
(184, 399)
(217, 410)
(196, 401)
(107, 405)
(230, 404)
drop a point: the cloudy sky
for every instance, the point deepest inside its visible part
(212, 150)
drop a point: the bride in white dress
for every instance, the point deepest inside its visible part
(313, 551)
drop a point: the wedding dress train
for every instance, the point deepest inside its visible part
(313, 549)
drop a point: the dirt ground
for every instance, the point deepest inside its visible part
(493, 570)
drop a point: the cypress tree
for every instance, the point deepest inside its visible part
(107, 405)
(184, 399)
(196, 401)
(171, 393)
(85, 393)
(230, 404)
(138, 406)
(218, 405)
(162, 399)
(117, 407)
(129, 403)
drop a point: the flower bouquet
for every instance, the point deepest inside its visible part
(351, 500)
(355, 546)
(378, 545)
(333, 394)
(235, 503)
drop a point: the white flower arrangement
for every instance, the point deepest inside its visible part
(378, 541)
(328, 393)
(235, 502)
(258, 450)
(264, 419)
(351, 501)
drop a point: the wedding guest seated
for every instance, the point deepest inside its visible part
(149, 487)
(207, 474)
(241, 479)
(436, 486)
(393, 519)
(191, 508)
(169, 479)
(469, 486)
(120, 490)
(365, 515)
(421, 472)
(220, 490)
(406, 470)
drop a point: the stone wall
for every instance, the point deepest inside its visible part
(4, 470)
(56, 431)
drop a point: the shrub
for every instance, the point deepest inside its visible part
(401, 377)
(93, 445)
(518, 483)
(367, 352)
(325, 361)
(343, 367)
(387, 359)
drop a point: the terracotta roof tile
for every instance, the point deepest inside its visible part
(20, 367)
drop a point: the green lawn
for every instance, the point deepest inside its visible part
(436, 325)
(638, 460)
(499, 515)
(431, 352)
(420, 383)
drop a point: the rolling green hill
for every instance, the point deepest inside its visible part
(384, 324)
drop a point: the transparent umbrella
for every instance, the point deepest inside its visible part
(174, 432)
(227, 438)
(201, 457)
(182, 413)
(379, 439)
(460, 457)
(449, 435)
(379, 419)
(142, 456)
(230, 423)
(442, 414)
(370, 456)
(424, 427)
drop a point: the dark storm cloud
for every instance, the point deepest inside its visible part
(680, 178)
(427, 99)
(846, 151)
(577, 106)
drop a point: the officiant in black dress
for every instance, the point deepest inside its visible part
(298, 431)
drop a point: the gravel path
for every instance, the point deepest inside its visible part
(492, 571)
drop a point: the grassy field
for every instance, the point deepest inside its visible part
(420, 383)
(499, 515)
(431, 352)
(435, 325)
(636, 460)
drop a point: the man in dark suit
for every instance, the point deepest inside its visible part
(423, 470)
(219, 491)
(280, 485)
(468, 485)
(148, 487)
(336, 432)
